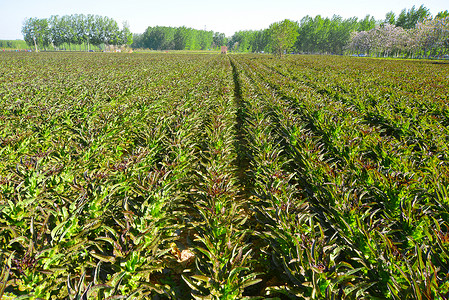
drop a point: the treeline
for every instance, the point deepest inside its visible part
(427, 38)
(178, 38)
(337, 35)
(78, 29)
(414, 32)
(12, 44)
(315, 35)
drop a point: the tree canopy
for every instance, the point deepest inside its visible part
(178, 38)
(283, 36)
(408, 19)
(74, 30)
(413, 31)
(429, 37)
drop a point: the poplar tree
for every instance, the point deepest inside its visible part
(283, 36)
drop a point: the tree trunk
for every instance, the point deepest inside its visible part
(35, 45)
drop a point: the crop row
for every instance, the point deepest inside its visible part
(222, 177)
(380, 198)
(99, 158)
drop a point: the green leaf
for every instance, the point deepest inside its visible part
(103, 258)
(200, 277)
(251, 282)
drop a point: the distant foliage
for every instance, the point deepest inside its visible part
(250, 41)
(413, 32)
(283, 36)
(180, 38)
(324, 35)
(408, 19)
(75, 29)
(12, 44)
(430, 37)
(314, 35)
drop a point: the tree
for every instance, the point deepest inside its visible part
(262, 41)
(442, 24)
(75, 29)
(390, 18)
(408, 19)
(431, 37)
(328, 35)
(138, 41)
(192, 40)
(29, 32)
(205, 39)
(304, 42)
(160, 37)
(339, 33)
(367, 23)
(176, 38)
(362, 41)
(219, 39)
(68, 34)
(90, 30)
(98, 31)
(57, 31)
(321, 33)
(243, 41)
(36, 32)
(111, 32)
(181, 37)
(127, 36)
(283, 36)
(442, 14)
(80, 29)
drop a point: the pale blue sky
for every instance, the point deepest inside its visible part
(226, 16)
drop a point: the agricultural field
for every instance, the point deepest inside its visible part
(199, 176)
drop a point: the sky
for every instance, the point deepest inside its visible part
(226, 16)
